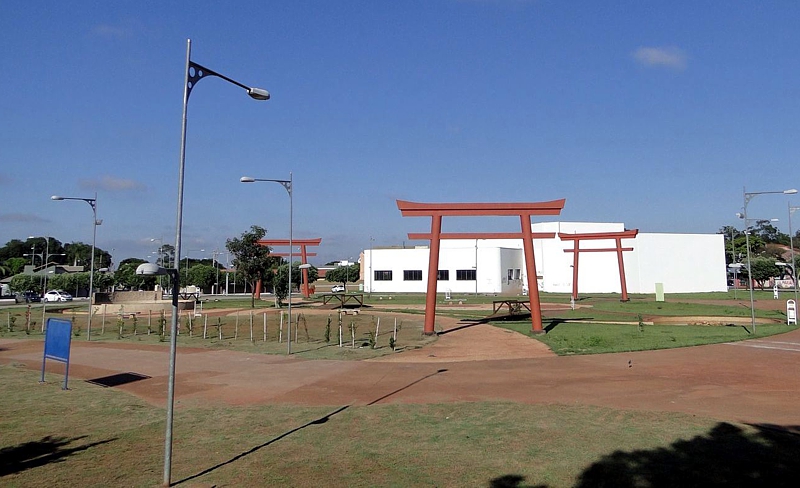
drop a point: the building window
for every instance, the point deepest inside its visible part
(510, 274)
(383, 276)
(412, 275)
(465, 275)
(443, 275)
(516, 274)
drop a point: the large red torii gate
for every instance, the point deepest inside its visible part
(576, 250)
(303, 243)
(522, 210)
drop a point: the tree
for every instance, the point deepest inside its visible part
(344, 274)
(80, 253)
(126, 276)
(773, 250)
(167, 257)
(22, 282)
(15, 265)
(280, 282)
(252, 260)
(763, 268)
(769, 233)
(203, 276)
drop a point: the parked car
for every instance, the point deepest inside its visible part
(27, 297)
(57, 296)
(337, 289)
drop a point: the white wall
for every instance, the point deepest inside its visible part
(682, 262)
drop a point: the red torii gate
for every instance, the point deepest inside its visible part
(303, 243)
(617, 236)
(522, 210)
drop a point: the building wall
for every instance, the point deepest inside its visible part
(682, 262)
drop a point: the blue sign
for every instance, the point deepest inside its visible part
(57, 342)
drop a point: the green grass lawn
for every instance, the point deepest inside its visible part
(583, 338)
(92, 436)
(568, 331)
(315, 336)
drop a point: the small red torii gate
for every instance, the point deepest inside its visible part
(576, 250)
(522, 210)
(303, 243)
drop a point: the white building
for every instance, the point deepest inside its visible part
(681, 262)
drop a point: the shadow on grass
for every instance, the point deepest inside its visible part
(511, 481)
(318, 421)
(725, 456)
(34, 454)
(555, 322)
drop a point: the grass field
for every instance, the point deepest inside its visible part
(626, 326)
(315, 335)
(91, 436)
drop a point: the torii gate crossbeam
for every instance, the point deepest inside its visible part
(522, 210)
(576, 250)
(303, 244)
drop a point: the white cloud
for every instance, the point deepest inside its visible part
(20, 217)
(665, 57)
(109, 183)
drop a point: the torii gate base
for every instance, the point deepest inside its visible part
(522, 210)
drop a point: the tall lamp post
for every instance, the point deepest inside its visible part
(747, 196)
(214, 255)
(287, 184)
(152, 269)
(186, 274)
(160, 261)
(791, 246)
(194, 73)
(92, 203)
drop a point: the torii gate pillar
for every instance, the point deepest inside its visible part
(522, 210)
(576, 250)
(304, 255)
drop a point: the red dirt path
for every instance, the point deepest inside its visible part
(750, 381)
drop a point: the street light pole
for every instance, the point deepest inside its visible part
(194, 73)
(287, 184)
(186, 274)
(791, 246)
(92, 203)
(746, 198)
(733, 264)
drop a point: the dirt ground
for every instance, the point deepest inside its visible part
(755, 381)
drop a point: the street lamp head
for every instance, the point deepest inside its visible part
(258, 93)
(56, 197)
(150, 269)
(247, 179)
(790, 192)
(304, 266)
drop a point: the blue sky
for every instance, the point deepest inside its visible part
(655, 114)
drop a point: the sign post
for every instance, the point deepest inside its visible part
(57, 342)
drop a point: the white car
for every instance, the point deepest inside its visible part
(337, 289)
(57, 296)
